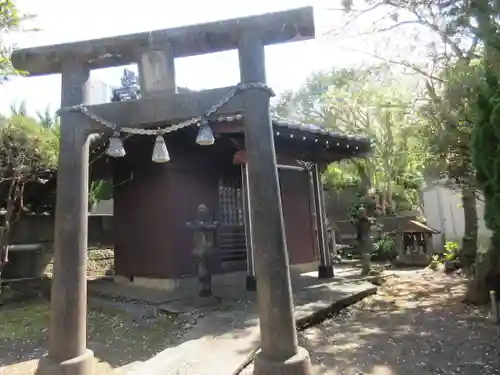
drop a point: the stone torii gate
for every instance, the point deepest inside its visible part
(154, 52)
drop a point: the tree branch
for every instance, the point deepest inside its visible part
(396, 62)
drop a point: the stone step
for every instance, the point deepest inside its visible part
(223, 340)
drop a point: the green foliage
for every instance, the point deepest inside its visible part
(371, 102)
(384, 249)
(435, 262)
(27, 151)
(341, 175)
(26, 146)
(47, 119)
(449, 131)
(100, 190)
(451, 249)
(450, 254)
(11, 19)
(359, 202)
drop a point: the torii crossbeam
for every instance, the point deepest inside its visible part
(161, 104)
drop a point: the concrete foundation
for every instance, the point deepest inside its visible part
(85, 364)
(299, 364)
(191, 282)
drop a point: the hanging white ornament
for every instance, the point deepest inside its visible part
(205, 135)
(160, 151)
(115, 148)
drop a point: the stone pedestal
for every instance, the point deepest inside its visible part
(325, 272)
(299, 364)
(251, 283)
(83, 365)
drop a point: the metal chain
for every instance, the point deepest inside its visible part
(195, 120)
(305, 164)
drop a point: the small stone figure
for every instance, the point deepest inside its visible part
(204, 234)
(129, 90)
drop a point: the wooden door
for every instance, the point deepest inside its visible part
(296, 202)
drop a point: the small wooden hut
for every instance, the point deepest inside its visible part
(153, 202)
(413, 241)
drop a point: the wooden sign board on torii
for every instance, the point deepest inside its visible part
(160, 104)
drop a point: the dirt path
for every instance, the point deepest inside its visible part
(415, 324)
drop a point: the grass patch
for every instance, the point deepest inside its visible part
(24, 322)
(113, 336)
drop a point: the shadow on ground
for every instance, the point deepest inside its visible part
(412, 326)
(126, 332)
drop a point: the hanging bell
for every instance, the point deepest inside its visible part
(160, 151)
(115, 148)
(205, 135)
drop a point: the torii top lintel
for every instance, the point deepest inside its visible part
(273, 28)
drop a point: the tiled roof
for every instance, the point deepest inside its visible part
(301, 127)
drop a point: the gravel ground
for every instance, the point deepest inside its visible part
(416, 324)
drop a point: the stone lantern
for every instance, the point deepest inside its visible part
(204, 229)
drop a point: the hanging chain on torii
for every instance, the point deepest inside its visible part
(82, 108)
(160, 152)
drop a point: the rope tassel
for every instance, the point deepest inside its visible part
(205, 135)
(160, 151)
(115, 148)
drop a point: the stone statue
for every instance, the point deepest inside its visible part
(363, 229)
(204, 229)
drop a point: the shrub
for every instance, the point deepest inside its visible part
(384, 249)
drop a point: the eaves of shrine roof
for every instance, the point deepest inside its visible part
(360, 145)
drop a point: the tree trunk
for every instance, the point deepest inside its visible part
(467, 254)
(365, 182)
(486, 274)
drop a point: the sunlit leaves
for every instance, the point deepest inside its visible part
(372, 102)
(11, 19)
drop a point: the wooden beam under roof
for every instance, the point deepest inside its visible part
(272, 28)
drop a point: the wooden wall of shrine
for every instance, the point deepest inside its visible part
(153, 202)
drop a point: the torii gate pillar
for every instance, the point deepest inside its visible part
(68, 353)
(280, 352)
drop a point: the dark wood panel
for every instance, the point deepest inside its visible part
(297, 215)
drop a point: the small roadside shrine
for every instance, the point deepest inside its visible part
(413, 241)
(170, 117)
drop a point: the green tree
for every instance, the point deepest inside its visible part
(451, 48)
(363, 101)
(27, 150)
(484, 118)
(11, 19)
(449, 143)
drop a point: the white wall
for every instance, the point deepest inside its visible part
(442, 207)
(103, 208)
(100, 92)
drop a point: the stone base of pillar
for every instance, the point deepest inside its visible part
(82, 365)
(325, 272)
(299, 364)
(251, 283)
